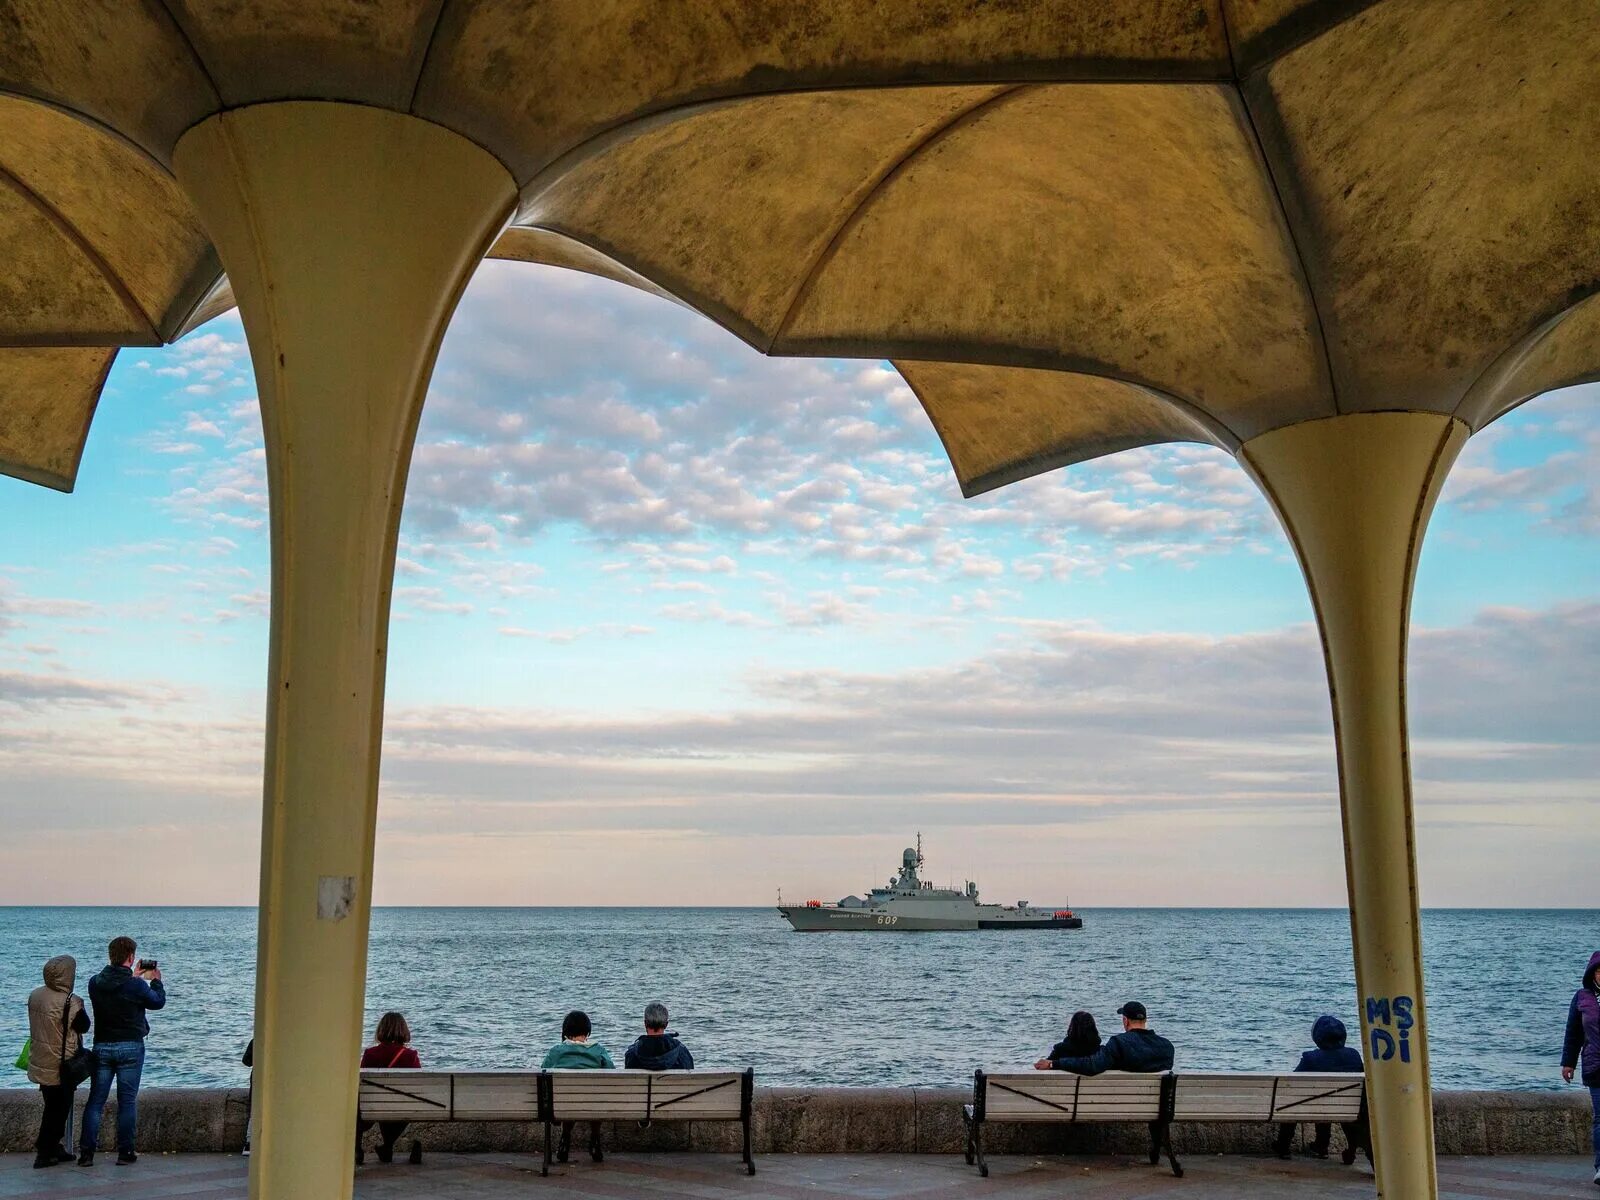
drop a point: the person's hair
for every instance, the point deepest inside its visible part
(1083, 1035)
(655, 1015)
(392, 1027)
(121, 950)
(575, 1025)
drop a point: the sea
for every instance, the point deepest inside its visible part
(1234, 989)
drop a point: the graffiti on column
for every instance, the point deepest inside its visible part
(1389, 1025)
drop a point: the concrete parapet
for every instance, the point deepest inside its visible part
(843, 1120)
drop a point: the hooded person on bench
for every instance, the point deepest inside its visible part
(1331, 1054)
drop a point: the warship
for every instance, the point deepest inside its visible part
(910, 904)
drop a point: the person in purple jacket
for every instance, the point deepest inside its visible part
(1583, 1043)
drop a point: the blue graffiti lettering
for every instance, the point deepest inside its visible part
(1382, 1046)
(1403, 1016)
(1377, 1010)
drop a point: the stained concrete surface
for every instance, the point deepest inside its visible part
(790, 1177)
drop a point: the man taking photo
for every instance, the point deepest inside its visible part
(120, 994)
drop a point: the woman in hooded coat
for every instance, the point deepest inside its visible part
(1582, 1044)
(57, 1022)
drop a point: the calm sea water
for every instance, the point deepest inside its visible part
(1232, 988)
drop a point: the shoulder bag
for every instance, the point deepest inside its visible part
(76, 1069)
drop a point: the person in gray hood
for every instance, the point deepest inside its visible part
(57, 1022)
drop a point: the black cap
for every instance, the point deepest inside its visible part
(1133, 1010)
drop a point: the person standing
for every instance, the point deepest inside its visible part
(1582, 1046)
(57, 1022)
(120, 996)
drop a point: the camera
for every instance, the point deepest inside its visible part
(148, 964)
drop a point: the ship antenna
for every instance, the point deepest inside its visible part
(919, 850)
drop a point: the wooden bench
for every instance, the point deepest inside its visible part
(1159, 1100)
(553, 1097)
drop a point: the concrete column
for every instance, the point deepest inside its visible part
(348, 234)
(1354, 494)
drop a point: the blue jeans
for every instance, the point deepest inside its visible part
(1594, 1105)
(124, 1062)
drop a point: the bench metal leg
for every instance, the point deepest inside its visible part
(545, 1169)
(966, 1119)
(1166, 1141)
(977, 1148)
(749, 1157)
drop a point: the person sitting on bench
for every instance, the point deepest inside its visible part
(1136, 1048)
(391, 1050)
(1082, 1040)
(1331, 1054)
(575, 1052)
(657, 1050)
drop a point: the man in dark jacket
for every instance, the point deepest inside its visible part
(1136, 1048)
(120, 997)
(1583, 1043)
(1331, 1054)
(657, 1050)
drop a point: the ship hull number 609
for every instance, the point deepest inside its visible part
(888, 920)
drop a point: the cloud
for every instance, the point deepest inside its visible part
(1058, 723)
(1544, 465)
(567, 636)
(19, 690)
(644, 425)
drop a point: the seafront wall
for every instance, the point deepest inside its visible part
(846, 1120)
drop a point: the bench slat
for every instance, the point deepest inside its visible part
(1198, 1096)
(497, 1098)
(1306, 1096)
(661, 1096)
(403, 1095)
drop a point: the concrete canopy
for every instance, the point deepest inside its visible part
(1148, 221)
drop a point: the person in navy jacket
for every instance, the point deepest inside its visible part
(1331, 1054)
(657, 1050)
(1582, 1045)
(120, 996)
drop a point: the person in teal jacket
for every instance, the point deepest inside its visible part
(575, 1052)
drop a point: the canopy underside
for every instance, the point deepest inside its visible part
(1074, 227)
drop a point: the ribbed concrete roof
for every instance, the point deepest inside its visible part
(1074, 226)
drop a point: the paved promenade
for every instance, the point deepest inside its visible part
(804, 1177)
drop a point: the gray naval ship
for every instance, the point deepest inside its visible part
(909, 904)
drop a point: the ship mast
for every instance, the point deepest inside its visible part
(919, 850)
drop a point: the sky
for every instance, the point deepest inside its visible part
(678, 624)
